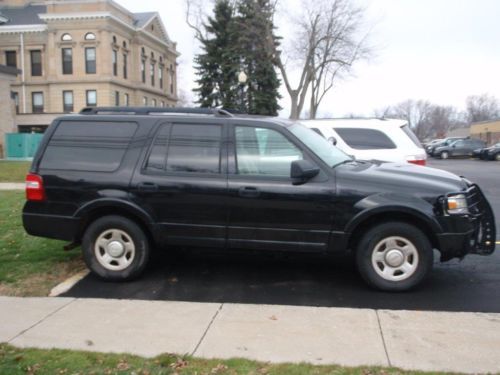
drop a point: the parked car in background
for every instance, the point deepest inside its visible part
(488, 153)
(430, 149)
(432, 143)
(461, 147)
(372, 139)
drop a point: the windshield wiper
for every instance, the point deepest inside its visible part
(345, 162)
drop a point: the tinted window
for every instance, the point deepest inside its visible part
(365, 139)
(157, 156)
(261, 151)
(88, 146)
(316, 130)
(194, 148)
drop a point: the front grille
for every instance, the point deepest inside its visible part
(480, 209)
(474, 199)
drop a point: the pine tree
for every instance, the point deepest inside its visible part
(255, 27)
(218, 65)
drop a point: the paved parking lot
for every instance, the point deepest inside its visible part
(470, 285)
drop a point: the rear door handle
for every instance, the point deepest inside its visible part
(249, 192)
(147, 186)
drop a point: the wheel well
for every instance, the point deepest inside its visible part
(117, 211)
(380, 218)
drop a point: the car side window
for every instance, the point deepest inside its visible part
(186, 148)
(264, 152)
(365, 139)
(459, 144)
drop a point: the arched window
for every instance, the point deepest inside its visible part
(143, 51)
(114, 39)
(161, 59)
(90, 36)
(152, 55)
(124, 44)
(66, 37)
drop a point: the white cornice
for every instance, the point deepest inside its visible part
(106, 15)
(12, 29)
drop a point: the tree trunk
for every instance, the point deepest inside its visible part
(294, 110)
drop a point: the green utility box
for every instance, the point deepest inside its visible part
(21, 145)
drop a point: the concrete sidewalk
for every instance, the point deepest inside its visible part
(433, 341)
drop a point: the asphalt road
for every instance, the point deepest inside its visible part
(469, 285)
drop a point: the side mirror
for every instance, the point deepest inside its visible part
(332, 140)
(302, 171)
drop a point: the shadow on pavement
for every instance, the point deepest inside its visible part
(471, 285)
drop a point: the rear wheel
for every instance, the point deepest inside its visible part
(444, 155)
(115, 248)
(497, 157)
(394, 256)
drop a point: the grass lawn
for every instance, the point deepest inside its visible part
(37, 361)
(13, 171)
(29, 266)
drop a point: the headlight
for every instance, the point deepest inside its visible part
(457, 204)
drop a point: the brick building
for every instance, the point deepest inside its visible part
(77, 53)
(488, 131)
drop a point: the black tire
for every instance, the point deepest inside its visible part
(131, 234)
(370, 242)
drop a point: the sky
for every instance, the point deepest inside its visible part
(436, 50)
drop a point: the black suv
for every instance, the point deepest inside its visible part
(122, 181)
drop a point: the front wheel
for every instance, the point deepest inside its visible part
(445, 155)
(394, 256)
(497, 157)
(115, 248)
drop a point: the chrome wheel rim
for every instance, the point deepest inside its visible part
(395, 258)
(114, 249)
(444, 155)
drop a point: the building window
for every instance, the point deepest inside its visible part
(144, 101)
(153, 102)
(68, 101)
(125, 72)
(117, 98)
(36, 63)
(160, 76)
(90, 36)
(15, 97)
(126, 99)
(66, 37)
(11, 59)
(91, 98)
(90, 58)
(67, 61)
(152, 73)
(115, 63)
(163, 103)
(114, 39)
(143, 71)
(37, 102)
(171, 79)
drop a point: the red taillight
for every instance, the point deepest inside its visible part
(34, 188)
(418, 162)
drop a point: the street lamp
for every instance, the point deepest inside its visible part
(242, 79)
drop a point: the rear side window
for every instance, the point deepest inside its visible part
(365, 139)
(88, 146)
(411, 135)
(317, 131)
(186, 148)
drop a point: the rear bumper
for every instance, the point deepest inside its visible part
(51, 226)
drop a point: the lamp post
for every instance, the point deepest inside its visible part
(242, 79)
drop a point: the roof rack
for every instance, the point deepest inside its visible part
(153, 110)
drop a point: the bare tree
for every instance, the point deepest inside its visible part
(482, 108)
(339, 47)
(426, 119)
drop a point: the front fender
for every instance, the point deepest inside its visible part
(387, 203)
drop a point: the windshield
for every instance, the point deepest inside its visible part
(327, 152)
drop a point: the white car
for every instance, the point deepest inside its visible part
(372, 139)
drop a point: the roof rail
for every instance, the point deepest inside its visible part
(154, 110)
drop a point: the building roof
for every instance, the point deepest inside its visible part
(27, 15)
(142, 18)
